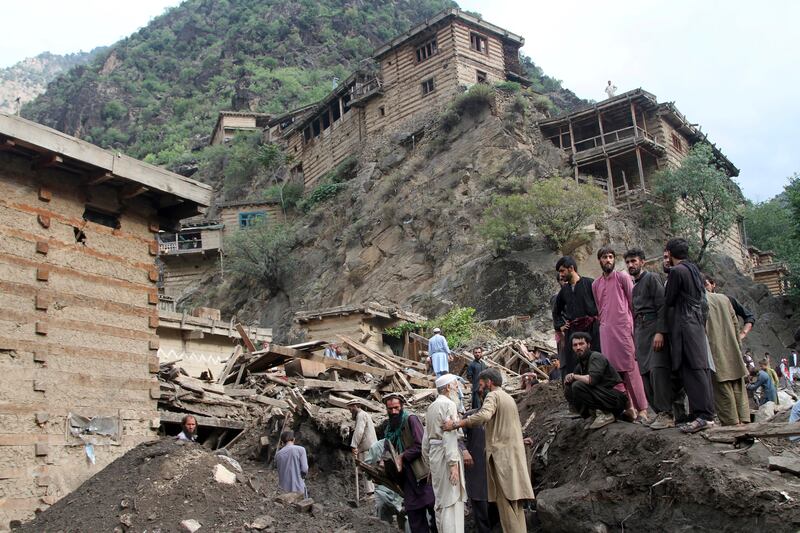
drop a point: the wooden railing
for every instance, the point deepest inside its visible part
(367, 88)
(173, 244)
(613, 137)
(166, 303)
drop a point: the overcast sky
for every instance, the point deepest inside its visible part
(730, 66)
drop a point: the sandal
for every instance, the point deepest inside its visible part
(698, 424)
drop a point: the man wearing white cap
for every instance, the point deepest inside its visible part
(363, 438)
(441, 452)
(439, 351)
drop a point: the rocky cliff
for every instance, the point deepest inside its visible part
(24, 81)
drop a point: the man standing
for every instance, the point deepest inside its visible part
(509, 482)
(649, 330)
(363, 438)
(742, 312)
(575, 310)
(686, 303)
(475, 473)
(439, 351)
(441, 453)
(613, 294)
(473, 371)
(730, 396)
(595, 384)
(611, 89)
(188, 429)
(292, 464)
(404, 432)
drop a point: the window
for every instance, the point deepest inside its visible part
(307, 134)
(427, 86)
(382, 111)
(478, 43)
(346, 103)
(315, 127)
(336, 113)
(251, 218)
(481, 76)
(326, 121)
(427, 50)
(103, 218)
(676, 142)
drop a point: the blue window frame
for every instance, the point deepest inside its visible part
(251, 218)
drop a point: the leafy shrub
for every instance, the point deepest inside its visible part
(458, 326)
(557, 207)
(543, 103)
(261, 252)
(449, 119)
(477, 98)
(114, 110)
(288, 194)
(321, 193)
(508, 86)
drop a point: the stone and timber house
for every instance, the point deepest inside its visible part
(78, 341)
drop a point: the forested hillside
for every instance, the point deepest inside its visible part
(155, 95)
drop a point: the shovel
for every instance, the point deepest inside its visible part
(351, 502)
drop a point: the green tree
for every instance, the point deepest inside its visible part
(703, 201)
(558, 208)
(261, 252)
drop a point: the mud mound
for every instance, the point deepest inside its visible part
(157, 485)
(627, 477)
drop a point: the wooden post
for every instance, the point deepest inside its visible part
(644, 123)
(602, 133)
(641, 169)
(633, 119)
(572, 145)
(610, 182)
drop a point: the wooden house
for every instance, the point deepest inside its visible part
(619, 143)
(242, 214)
(362, 323)
(231, 122)
(773, 274)
(412, 76)
(78, 342)
(187, 255)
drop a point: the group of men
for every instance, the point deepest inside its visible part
(629, 342)
(440, 469)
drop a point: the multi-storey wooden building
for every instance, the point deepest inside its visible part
(412, 76)
(78, 343)
(619, 143)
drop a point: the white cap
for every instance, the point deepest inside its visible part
(446, 379)
(437, 330)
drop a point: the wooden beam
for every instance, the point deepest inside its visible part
(132, 191)
(641, 168)
(610, 182)
(246, 339)
(759, 429)
(100, 178)
(207, 421)
(308, 383)
(46, 161)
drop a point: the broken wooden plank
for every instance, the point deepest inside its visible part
(304, 368)
(758, 429)
(369, 353)
(246, 339)
(419, 338)
(237, 352)
(348, 386)
(372, 405)
(266, 400)
(237, 393)
(790, 465)
(170, 416)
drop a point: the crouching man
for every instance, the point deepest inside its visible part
(594, 384)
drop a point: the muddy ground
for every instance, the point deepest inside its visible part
(157, 485)
(626, 477)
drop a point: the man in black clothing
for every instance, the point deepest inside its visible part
(741, 311)
(689, 349)
(473, 371)
(649, 331)
(575, 310)
(594, 384)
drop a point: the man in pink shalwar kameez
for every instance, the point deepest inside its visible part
(613, 293)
